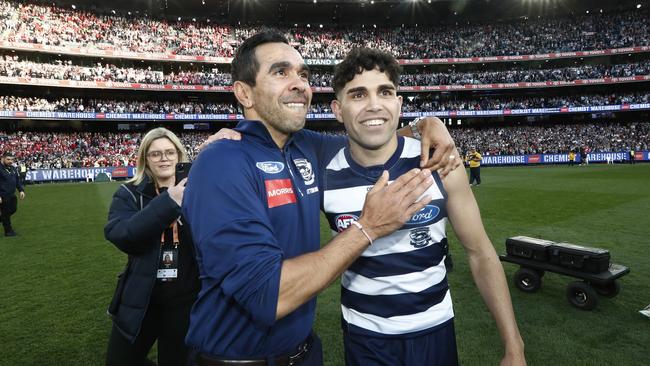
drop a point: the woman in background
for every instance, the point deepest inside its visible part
(156, 291)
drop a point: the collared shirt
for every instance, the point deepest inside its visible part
(251, 205)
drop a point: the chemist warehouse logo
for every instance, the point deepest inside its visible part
(279, 192)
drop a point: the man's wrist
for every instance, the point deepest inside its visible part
(415, 131)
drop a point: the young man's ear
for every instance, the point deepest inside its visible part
(243, 93)
(336, 109)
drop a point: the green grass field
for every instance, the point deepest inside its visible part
(58, 275)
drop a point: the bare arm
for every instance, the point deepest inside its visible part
(486, 269)
(386, 209)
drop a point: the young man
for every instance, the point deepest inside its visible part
(9, 182)
(395, 301)
(253, 208)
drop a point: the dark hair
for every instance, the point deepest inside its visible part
(361, 59)
(8, 154)
(244, 66)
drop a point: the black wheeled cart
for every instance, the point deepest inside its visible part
(590, 265)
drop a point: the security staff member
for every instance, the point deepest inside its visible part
(9, 182)
(474, 159)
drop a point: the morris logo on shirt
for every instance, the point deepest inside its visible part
(343, 221)
(279, 192)
(270, 167)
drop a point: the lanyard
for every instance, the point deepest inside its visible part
(174, 227)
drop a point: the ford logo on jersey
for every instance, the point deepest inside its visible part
(425, 215)
(270, 167)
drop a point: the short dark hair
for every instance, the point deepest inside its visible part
(365, 59)
(244, 66)
(8, 154)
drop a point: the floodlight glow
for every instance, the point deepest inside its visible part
(638, 6)
(75, 7)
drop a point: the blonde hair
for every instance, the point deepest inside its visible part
(142, 168)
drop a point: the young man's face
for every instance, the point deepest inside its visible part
(281, 95)
(369, 107)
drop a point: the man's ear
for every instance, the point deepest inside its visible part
(243, 93)
(336, 109)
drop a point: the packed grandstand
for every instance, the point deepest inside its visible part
(81, 85)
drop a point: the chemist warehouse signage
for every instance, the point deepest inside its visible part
(49, 175)
(600, 157)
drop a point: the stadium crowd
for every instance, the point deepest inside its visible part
(11, 66)
(434, 102)
(553, 139)
(13, 103)
(412, 103)
(54, 150)
(50, 25)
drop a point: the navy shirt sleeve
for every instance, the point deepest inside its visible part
(237, 252)
(326, 146)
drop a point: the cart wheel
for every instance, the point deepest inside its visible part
(528, 280)
(610, 289)
(581, 295)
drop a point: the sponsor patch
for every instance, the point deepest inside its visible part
(279, 192)
(270, 167)
(304, 167)
(420, 237)
(424, 216)
(312, 190)
(343, 221)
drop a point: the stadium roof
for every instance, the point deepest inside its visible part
(346, 12)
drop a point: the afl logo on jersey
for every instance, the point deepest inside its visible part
(343, 221)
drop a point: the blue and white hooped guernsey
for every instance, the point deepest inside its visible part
(399, 285)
